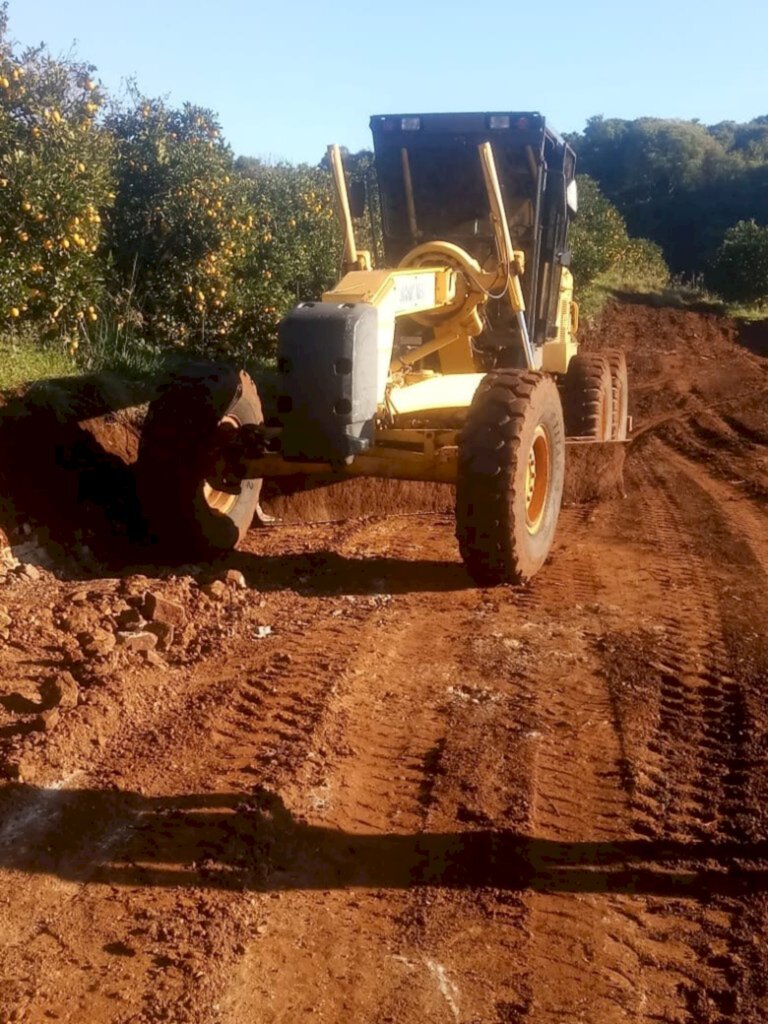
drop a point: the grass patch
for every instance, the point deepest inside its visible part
(23, 361)
(678, 293)
(121, 350)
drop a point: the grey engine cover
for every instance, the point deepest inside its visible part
(327, 359)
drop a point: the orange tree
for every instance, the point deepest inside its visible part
(54, 187)
(601, 245)
(296, 249)
(207, 256)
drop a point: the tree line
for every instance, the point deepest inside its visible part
(699, 192)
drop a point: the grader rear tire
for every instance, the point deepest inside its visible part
(617, 361)
(185, 514)
(510, 477)
(589, 397)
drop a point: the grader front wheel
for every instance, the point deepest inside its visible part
(189, 511)
(510, 477)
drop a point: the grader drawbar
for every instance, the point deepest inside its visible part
(455, 362)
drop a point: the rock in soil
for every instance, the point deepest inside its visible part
(143, 641)
(48, 720)
(235, 579)
(130, 619)
(164, 632)
(62, 691)
(97, 643)
(28, 572)
(160, 609)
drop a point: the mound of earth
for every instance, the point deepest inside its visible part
(697, 380)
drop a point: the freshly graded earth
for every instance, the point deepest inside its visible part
(330, 779)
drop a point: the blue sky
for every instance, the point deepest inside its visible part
(286, 78)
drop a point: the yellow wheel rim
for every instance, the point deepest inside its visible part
(537, 474)
(221, 501)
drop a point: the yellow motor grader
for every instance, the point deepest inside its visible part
(454, 362)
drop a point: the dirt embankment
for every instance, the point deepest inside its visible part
(328, 777)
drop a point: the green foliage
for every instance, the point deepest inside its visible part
(598, 236)
(601, 245)
(641, 265)
(54, 188)
(301, 245)
(179, 223)
(211, 253)
(136, 227)
(739, 269)
(680, 183)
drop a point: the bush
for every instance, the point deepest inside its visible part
(54, 188)
(180, 222)
(641, 265)
(603, 249)
(598, 237)
(299, 253)
(207, 256)
(739, 270)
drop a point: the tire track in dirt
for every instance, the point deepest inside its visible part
(702, 706)
(251, 714)
(430, 763)
(691, 771)
(364, 791)
(581, 956)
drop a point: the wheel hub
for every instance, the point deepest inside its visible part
(537, 474)
(219, 500)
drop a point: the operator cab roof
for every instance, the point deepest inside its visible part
(487, 123)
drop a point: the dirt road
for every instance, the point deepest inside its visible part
(360, 790)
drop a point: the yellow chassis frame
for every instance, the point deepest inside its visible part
(429, 455)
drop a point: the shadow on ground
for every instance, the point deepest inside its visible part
(222, 840)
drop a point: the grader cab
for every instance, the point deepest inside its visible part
(454, 362)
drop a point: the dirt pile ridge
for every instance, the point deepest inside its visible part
(327, 777)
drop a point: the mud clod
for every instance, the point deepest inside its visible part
(234, 578)
(28, 572)
(216, 590)
(130, 619)
(47, 720)
(164, 632)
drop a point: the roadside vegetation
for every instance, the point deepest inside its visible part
(131, 234)
(699, 192)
